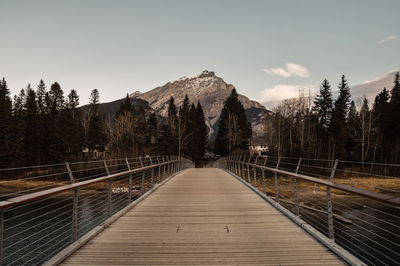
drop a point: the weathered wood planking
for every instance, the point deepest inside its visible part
(203, 216)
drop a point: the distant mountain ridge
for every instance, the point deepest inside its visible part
(372, 87)
(211, 91)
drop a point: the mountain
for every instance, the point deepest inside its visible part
(206, 87)
(211, 91)
(372, 87)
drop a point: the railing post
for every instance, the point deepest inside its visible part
(152, 173)
(238, 165)
(71, 177)
(109, 194)
(165, 168)
(242, 163)
(141, 165)
(159, 170)
(109, 198)
(296, 197)
(255, 172)
(106, 167)
(329, 203)
(1, 236)
(129, 180)
(248, 170)
(263, 176)
(276, 181)
(75, 213)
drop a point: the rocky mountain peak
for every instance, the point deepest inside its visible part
(207, 88)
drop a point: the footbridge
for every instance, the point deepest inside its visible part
(162, 210)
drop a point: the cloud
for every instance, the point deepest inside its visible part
(277, 71)
(298, 70)
(292, 69)
(389, 38)
(280, 92)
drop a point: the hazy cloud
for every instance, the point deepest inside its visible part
(277, 71)
(389, 38)
(292, 69)
(280, 92)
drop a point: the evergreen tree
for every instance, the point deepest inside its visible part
(394, 105)
(184, 132)
(323, 104)
(43, 122)
(57, 128)
(234, 130)
(75, 135)
(172, 126)
(141, 134)
(339, 119)
(18, 127)
(381, 114)
(96, 137)
(322, 110)
(31, 132)
(199, 134)
(202, 130)
(125, 106)
(5, 125)
(352, 130)
(153, 134)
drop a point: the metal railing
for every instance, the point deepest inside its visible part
(353, 204)
(58, 204)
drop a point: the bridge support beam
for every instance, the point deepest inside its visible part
(75, 213)
(296, 198)
(276, 181)
(329, 204)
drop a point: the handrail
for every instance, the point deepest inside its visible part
(361, 222)
(36, 226)
(12, 202)
(359, 191)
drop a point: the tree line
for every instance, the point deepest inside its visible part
(42, 126)
(340, 128)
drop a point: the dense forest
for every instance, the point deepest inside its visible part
(340, 128)
(40, 126)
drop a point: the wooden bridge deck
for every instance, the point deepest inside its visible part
(203, 216)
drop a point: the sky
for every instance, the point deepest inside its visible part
(267, 49)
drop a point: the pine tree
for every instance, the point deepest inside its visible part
(141, 134)
(202, 130)
(234, 130)
(352, 130)
(323, 104)
(57, 128)
(381, 114)
(153, 136)
(322, 111)
(184, 133)
(43, 122)
(199, 134)
(5, 125)
(172, 126)
(73, 119)
(125, 106)
(96, 137)
(339, 116)
(31, 132)
(394, 105)
(18, 127)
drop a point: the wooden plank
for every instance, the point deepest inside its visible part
(203, 216)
